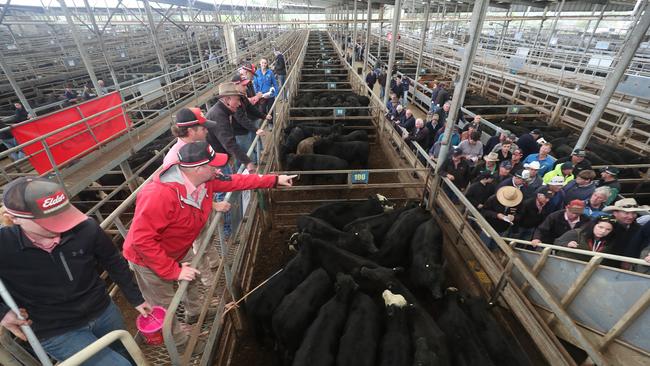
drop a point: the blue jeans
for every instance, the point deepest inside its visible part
(9, 143)
(65, 345)
(245, 142)
(219, 196)
(382, 90)
(406, 98)
(281, 80)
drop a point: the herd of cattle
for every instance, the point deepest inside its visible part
(347, 297)
(315, 145)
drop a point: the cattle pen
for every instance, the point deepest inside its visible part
(559, 311)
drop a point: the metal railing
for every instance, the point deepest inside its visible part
(114, 220)
(512, 272)
(199, 78)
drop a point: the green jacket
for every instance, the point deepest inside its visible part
(557, 172)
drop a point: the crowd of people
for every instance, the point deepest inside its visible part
(66, 301)
(526, 193)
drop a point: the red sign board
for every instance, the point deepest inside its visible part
(75, 141)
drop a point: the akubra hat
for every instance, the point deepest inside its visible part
(509, 196)
(228, 89)
(626, 205)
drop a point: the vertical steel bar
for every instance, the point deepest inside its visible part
(368, 27)
(476, 23)
(393, 43)
(423, 38)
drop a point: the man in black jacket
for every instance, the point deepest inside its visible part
(248, 118)
(222, 138)
(500, 210)
(48, 262)
(528, 142)
(478, 192)
(625, 211)
(533, 212)
(280, 70)
(559, 222)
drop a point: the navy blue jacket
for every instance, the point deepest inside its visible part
(62, 290)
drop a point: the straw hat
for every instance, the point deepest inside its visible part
(509, 196)
(626, 205)
(228, 89)
(491, 157)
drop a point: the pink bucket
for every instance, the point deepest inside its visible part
(151, 326)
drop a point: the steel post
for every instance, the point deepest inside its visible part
(478, 16)
(368, 27)
(354, 36)
(558, 10)
(156, 42)
(102, 46)
(82, 50)
(614, 77)
(381, 30)
(393, 43)
(19, 93)
(423, 36)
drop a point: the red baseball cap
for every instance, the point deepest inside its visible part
(200, 153)
(237, 79)
(188, 117)
(43, 201)
(576, 206)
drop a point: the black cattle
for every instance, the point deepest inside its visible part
(339, 214)
(354, 152)
(396, 343)
(378, 224)
(358, 135)
(358, 346)
(335, 260)
(359, 242)
(497, 342)
(422, 325)
(422, 355)
(426, 269)
(321, 342)
(261, 304)
(291, 141)
(298, 309)
(394, 249)
(312, 130)
(462, 336)
(307, 162)
(300, 124)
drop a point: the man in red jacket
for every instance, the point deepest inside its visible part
(170, 213)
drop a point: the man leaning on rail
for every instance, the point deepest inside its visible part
(170, 212)
(48, 262)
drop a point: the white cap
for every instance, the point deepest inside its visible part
(556, 181)
(533, 165)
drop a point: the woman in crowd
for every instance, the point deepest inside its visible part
(595, 236)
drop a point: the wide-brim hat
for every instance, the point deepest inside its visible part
(491, 157)
(509, 196)
(228, 89)
(533, 165)
(626, 205)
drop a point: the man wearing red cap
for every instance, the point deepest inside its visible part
(191, 125)
(559, 222)
(170, 213)
(48, 262)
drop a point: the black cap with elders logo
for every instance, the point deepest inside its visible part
(200, 153)
(43, 201)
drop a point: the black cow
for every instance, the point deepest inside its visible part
(354, 152)
(498, 343)
(311, 130)
(462, 336)
(358, 346)
(335, 260)
(358, 135)
(339, 214)
(261, 304)
(320, 344)
(358, 242)
(298, 309)
(426, 270)
(378, 224)
(291, 142)
(422, 325)
(309, 162)
(394, 249)
(396, 343)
